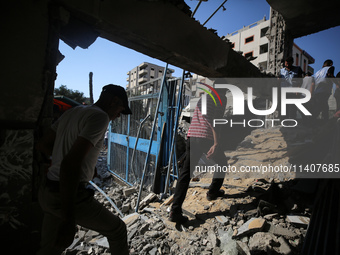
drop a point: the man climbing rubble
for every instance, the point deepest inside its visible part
(76, 139)
(203, 138)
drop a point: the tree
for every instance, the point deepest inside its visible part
(76, 95)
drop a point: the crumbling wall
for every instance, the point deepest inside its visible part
(280, 42)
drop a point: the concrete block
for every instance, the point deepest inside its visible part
(131, 218)
(261, 242)
(168, 201)
(222, 219)
(280, 231)
(251, 226)
(101, 242)
(126, 208)
(284, 248)
(242, 248)
(148, 199)
(298, 220)
(270, 216)
(212, 238)
(189, 214)
(127, 192)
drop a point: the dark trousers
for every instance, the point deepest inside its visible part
(321, 105)
(337, 98)
(291, 108)
(89, 213)
(201, 146)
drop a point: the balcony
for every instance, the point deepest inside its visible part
(142, 72)
(142, 80)
(143, 65)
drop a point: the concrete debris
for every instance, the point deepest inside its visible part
(127, 192)
(284, 248)
(281, 231)
(228, 246)
(168, 201)
(298, 220)
(262, 242)
(251, 226)
(130, 219)
(148, 199)
(222, 219)
(242, 248)
(255, 216)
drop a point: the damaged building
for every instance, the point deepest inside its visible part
(30, 56)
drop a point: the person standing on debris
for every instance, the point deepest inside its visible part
(202, 138)
(288, 75)
(323, 89)
(77, 138)
(337, 91)
(308, 83)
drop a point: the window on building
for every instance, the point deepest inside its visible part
(297, 59)
(248, 54)
(152, 72)
(264, 31)
(305, 65)
(249, 39)
(263, 48)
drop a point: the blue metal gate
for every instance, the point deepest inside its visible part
(130, 155)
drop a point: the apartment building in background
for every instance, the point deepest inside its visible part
(144, 73)
(251, 41)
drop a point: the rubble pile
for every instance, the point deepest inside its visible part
(268, 148)
(256, 216)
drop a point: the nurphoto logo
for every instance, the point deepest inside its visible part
(238, 104)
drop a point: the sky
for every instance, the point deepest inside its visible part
(110, 62)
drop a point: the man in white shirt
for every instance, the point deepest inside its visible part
(323, 89)
(308, 83)
(288, 75)
(77, 138)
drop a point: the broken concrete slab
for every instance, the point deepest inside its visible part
(200, 185)
(242, 248)
(132, 233)
(189, 214)
(213, 239)
(280, 231)
(148, 199)
(228, 246)
(168, 201)
(148, 209)
(298, 220)
(251, 226)
(222, 219)
(126, 207)
(100, 242)
(262, 242)
(131, 218)
(127, 192)
(270, 216)
(152, 234)
(284, 248)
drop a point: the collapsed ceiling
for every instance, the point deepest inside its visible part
(304, 17)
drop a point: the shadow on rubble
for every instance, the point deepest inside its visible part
(267, 198)
(320, 159)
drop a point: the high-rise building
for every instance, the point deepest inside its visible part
(145, 72)
(252, 42)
